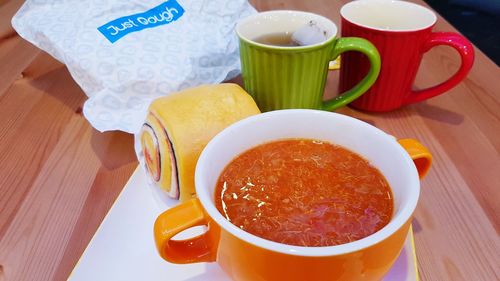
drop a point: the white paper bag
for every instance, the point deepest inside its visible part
(124, 54)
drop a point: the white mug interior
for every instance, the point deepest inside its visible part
(388, 15)
(282, 21)
(379, 148)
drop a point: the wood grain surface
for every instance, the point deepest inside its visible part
(59, 176)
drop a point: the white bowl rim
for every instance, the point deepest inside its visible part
(394, 225)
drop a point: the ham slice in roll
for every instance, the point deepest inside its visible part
(180, 125)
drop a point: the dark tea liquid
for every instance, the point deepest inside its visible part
(304, 192)
(283, 39)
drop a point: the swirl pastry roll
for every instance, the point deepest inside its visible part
(180, 125)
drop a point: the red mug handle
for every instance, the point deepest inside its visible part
(466, 51)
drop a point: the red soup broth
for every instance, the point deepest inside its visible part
(304, 192)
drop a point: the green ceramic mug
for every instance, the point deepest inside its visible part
(281, 77)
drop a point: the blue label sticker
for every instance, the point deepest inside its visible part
(166, 12)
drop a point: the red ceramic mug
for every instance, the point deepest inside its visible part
(402, 33)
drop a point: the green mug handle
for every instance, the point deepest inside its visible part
(360, 45)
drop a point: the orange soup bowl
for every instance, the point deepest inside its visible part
(244, 256)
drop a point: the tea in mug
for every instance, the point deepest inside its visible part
(283, 39)
(304, 192)
(307, 34)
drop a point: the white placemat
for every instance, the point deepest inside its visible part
(123, 246)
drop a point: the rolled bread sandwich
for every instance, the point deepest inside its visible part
(180, 125)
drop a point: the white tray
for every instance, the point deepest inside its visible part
(123, 246)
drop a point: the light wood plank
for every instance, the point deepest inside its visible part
(105, 189)
(32, 122)
(34, 244)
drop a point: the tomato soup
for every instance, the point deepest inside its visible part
(304, 192)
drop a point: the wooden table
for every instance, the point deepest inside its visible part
(59, 176)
